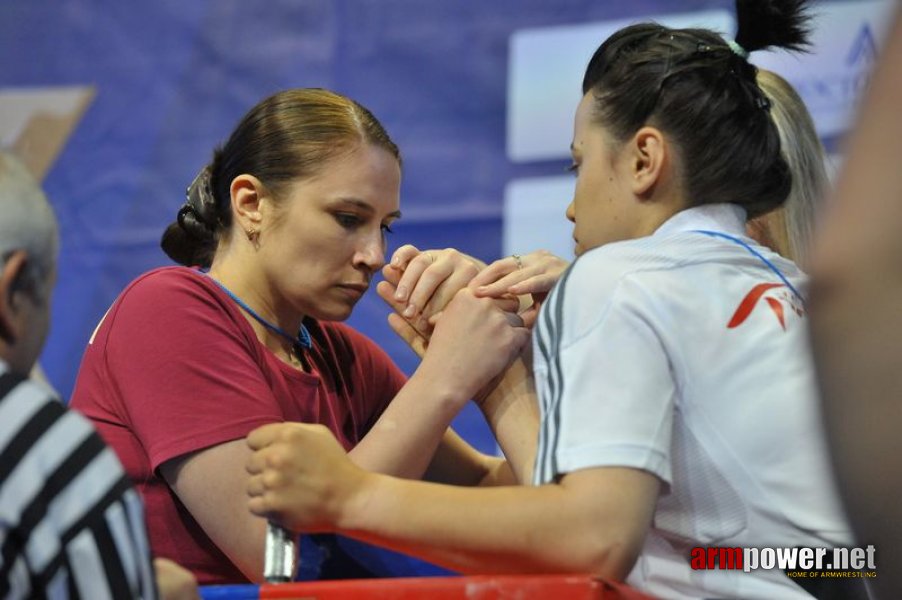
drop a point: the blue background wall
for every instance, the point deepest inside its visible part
(173, 77)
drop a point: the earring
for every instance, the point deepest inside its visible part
(252, 236)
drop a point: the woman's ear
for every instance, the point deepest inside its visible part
(247, 193)
(11, 289)
(649, 159)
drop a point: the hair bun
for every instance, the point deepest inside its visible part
(772, 23)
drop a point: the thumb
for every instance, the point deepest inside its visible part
(407, 333)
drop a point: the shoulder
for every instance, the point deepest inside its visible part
(657, 274)
(166, 281)
(607, 265)
(681, 260)
(167, 304)
(171, 294)
(613, 273)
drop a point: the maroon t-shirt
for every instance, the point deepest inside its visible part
(175, 367)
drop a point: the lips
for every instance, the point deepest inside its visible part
(359, 288)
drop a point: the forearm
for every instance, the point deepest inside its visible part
(493, 530)
(512, 412)
(403, 441)
(856, 320)
(498, 472)
(593, 521)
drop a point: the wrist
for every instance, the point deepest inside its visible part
(358, 504)
(440, 388)
(509, 382)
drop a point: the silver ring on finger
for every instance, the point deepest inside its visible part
(518, 259)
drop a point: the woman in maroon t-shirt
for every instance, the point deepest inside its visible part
(287, 224)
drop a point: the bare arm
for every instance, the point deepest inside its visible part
(473, 342)
(594, 520)
(211, 485)
(510, 407)
(458, 463)
(429, 280)
(512, 411)
(857, 322)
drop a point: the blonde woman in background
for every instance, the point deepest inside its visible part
(789, 229)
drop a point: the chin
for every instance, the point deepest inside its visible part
(332, 313)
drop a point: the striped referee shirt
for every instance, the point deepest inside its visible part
(71, 524)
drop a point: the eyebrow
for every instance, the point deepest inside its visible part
(366, 206)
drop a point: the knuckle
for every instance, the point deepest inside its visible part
(272, 460)
(464, 294)
(271, 480)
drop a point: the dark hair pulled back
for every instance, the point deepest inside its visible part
(286, 137)
(702, 93)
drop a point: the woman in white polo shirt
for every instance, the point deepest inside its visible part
(678, 405)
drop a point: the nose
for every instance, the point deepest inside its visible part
(571, 212)
(371, 253)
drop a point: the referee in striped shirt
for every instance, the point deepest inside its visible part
(71, 524)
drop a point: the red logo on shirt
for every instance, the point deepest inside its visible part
(751, 300)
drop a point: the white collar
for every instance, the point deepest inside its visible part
(726, 218)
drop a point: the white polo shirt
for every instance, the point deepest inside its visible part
(684, 355)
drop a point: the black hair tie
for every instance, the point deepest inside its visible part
(198, 215)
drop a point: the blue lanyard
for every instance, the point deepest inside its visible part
(303, 337)
(757, 254)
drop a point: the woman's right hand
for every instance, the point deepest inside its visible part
(473, 341)
(534, 273)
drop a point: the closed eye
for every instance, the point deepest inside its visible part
(348, 220)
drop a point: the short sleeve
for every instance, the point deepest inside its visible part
(184, 367)
(606, 388)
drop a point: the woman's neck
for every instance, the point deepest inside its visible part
(280, 337)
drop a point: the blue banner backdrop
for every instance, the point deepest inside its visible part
(171, 78)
